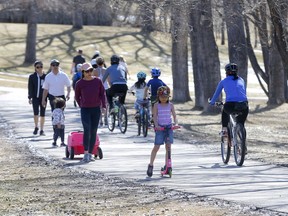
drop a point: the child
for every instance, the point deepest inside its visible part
(99, 72)
(162, 112)
(153, 84)
(77, 76)
(58, 121)
(139, 89)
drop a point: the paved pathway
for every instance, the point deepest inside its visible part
(196, 170)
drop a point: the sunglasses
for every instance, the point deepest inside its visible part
(89, 71)
(39, 66)
(54, 65)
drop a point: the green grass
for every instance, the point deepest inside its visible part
(61, 42)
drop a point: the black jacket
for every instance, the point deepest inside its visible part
(33, 85)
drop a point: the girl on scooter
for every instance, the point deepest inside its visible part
(162, 116)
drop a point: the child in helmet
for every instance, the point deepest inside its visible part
(162, 112)
(153, 84)
(138, 89)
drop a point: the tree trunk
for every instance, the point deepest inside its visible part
(147, 16)
(77, 16)
(179, 35)
(236, 35)
(277, 81)
(205, 59)
(30, 52)
(278, 12)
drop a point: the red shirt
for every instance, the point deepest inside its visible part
(90, 93)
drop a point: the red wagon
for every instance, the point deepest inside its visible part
(75, 145)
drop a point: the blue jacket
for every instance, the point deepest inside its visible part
(235, 90)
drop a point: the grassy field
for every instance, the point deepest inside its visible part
(61, 42)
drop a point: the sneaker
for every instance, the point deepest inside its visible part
(85, 158)
(42, 133)
(54, 144)
(150, 170)
(63, 144)
(35, 130)
(91, 158)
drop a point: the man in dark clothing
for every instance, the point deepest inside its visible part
(35, 93)
(78, 59)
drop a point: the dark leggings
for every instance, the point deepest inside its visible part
(232, 107)
(58, 132)
(90, 120)
(116, 88)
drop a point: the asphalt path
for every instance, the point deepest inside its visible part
(195, 170)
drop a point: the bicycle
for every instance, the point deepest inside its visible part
(143, 119)
(117, 114)
(236, 137)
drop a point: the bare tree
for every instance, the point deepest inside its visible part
(30, 53)
(179, 35)
(205, 59)
(236, 35)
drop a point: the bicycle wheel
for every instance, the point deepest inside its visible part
(239, 146)
(226, 146)
(145, 122)
(122, 118)
(110, 117)
(139, 121)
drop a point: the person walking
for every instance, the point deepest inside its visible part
(35, 93)
(99, 72)
(58, 121)
(90, 95)
(78, 59)
(117, 81)
(54, 84)
(124, 64)
(162, 112)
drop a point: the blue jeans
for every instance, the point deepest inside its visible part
(164, 136)
(90, 120)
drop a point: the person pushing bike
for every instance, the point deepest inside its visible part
(236, 98)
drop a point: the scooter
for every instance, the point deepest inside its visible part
(167, 169)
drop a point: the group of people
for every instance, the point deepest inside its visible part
(99, 84)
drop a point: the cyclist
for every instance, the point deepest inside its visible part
(117, 81)
(138, 89)
(236, 98)
(153, 84)
(162, 114)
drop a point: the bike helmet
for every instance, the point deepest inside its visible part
(155, 72)
(115, 59)
(141, 75)
(78, 67)
(163, 90)
(231, 68)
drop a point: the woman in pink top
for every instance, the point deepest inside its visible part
(162, 116)
(90, 95)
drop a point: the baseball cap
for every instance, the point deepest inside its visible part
(86, 66)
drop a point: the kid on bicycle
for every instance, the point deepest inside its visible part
(138, 89)
(153, 84)
(162, 115)
(236, 98)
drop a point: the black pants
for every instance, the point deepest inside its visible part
(232, 107)
(116, 88)
(59, 132)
